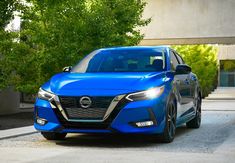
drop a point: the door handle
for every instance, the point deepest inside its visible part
(186, 81)
(177, 81)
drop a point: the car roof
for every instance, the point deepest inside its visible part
(136, 48)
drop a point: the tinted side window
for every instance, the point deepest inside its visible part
(181, 61)
(174, 61)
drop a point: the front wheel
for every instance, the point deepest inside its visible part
(53, 135)
(169, 131)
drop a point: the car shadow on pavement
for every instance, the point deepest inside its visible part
(116, 140)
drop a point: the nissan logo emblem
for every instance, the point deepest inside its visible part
(85, 102)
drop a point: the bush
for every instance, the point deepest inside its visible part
(202, 59)
(55, 34)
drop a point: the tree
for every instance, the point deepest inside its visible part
(55, 34)
(7, 8)
(202, 59)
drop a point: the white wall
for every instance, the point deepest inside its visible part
(190, 19)
(14, 25)
(226, 52)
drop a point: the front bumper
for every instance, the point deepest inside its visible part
(122, 119)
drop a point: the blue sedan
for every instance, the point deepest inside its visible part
(146, 90)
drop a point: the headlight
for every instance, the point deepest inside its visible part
(45, 95)
(144, 95)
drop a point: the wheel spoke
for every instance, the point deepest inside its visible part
(169, 118)
(172, 110)
(174, 116)
(172, 128)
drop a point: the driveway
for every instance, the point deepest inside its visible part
(213, 142)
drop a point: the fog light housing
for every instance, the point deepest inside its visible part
(144, 124)
(41, 121)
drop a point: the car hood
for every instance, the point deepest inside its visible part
(65, 83)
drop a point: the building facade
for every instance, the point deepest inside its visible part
(226, 61)
(189, 22)
(195, 22)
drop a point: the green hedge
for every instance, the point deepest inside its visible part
(203, 60)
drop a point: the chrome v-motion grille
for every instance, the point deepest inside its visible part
(96, 111)
(72, 111)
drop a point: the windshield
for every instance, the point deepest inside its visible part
(150, 60)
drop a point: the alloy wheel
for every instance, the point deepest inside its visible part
(171, 118)
(198, 111)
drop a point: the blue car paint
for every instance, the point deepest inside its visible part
(114, 84)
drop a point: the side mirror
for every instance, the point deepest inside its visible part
(67, 69)
(183, 69)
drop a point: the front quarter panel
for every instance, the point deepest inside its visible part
(139, 111)
(43, 109)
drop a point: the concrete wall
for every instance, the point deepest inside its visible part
(226, 52)
(9, 101)
(190, 21)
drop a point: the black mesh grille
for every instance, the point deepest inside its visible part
(91, 125)
(96, 111)
(89, 113)
(68, 102)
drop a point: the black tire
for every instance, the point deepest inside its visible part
(196, 122)
(171, 114)
(53, 135)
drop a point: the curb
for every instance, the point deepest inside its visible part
(16, 132)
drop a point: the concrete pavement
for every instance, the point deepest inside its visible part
(218, 105)
(15, 132)
(222, 93)
(212, 142)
